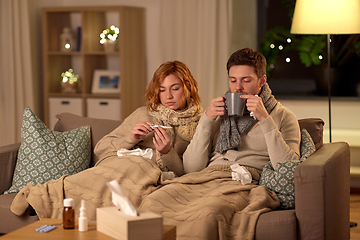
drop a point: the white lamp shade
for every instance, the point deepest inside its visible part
(326, 17)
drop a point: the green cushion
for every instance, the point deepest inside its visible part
(45, 155)
(281, 180)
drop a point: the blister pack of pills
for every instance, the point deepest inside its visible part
(45, 228)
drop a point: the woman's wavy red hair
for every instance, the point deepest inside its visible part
(180, 70)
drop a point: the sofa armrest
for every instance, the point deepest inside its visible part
(322, 193)
(8, 157)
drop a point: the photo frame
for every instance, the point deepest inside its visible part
(106, 81)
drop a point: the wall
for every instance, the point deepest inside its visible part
(244, 28)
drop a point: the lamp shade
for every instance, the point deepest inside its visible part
(326, 17)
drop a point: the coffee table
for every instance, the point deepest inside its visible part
(28, 232)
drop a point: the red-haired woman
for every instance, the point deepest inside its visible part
(172, 101)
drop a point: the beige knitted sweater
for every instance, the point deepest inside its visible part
(121, 138)
(277, 138)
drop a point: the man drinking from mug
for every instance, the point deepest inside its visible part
(266, 130)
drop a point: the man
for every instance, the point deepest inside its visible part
(266, 131)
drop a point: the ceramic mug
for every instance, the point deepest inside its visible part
(234, 104)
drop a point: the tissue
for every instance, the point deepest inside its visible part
(240, 173)
(120, 200)
(148, 153)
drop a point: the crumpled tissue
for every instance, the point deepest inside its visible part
(240, 173)
(168, 175)
(148, 153)
(120, 200)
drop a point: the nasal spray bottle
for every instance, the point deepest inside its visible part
(83, 221)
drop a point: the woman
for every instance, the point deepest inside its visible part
(172, 101)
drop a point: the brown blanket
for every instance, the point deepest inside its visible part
(137, 176)
(210, 205)
(203, 205)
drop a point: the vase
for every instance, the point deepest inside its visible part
(67, 87)
(110, 46)
(66, 40)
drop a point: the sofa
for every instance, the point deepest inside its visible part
(322, 186)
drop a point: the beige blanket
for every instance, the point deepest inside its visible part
(203, 205)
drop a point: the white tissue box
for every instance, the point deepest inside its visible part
(112, 222)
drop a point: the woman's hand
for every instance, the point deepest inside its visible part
(161, 141)
(141, 129)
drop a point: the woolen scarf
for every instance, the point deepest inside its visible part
(187, 119)
(232, 126)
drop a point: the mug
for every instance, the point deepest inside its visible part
(234, 104)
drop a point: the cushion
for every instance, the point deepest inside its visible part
(45, 154)
(315, 128)
(307, 146)
(99, 127)
(281, 180)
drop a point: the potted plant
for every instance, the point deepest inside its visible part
(69, 82)
(108, 38)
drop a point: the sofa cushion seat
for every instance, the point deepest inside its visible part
(279, 224)
(9, 221)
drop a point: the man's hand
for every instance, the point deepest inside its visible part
(141, 129)
(216, 108)
(161, 141)
(254, 104)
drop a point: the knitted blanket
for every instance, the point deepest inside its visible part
(202, 205)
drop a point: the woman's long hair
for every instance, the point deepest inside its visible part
(180, 70)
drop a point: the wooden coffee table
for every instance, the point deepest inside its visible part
(28, 232)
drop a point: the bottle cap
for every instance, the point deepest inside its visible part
(68, 202)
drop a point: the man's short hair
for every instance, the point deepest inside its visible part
(249, 57)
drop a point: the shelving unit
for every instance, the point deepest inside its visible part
(129, 60)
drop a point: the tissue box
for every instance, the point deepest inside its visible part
(112, 222)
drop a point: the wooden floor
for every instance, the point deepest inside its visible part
(355, 215)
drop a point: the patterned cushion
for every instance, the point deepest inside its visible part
(281, 180)
(45, 154)
(307, 146)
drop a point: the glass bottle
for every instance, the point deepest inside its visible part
(68, 214)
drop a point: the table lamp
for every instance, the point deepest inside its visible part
(326, 17)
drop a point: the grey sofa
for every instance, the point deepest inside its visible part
(322, 187)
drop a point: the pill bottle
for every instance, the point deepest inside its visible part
(68, 214)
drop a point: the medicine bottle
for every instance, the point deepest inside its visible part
(68, 214)
(83, 221)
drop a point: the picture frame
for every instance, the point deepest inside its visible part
(106, 81)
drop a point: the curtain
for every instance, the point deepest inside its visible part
(198, 33)
(16, 77)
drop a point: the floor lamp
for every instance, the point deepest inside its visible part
(326, 17)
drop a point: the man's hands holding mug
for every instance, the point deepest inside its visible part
(254, 104)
